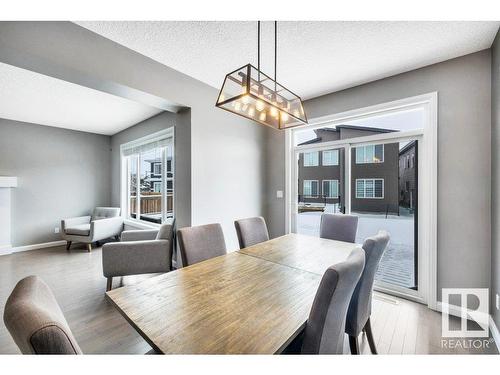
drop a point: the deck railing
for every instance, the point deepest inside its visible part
(151, 203)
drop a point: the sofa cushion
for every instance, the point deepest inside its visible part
(79, 230)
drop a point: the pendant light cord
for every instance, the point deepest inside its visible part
(258, 46)
(275, 50)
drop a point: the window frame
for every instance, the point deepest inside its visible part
(364, 188)
(311, 195)
(364, 147)
(323, 188)
(310, 153)
(336, 151)
(167, 134)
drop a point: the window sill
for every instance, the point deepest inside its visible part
(140, 224)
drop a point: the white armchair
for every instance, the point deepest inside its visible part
(104, 223)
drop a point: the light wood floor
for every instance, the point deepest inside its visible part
(399, 326)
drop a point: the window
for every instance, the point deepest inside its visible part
(370, 188)
(370, 154)
(331, 188)
(147, 168)
(157, 168)
(330, 157)
(311, 159)
(310, 188)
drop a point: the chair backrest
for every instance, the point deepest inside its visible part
(251, 231)
(35, 320)
(197, 244)
(361, 302)
(339, 227)
(105, 212)
(324, 332)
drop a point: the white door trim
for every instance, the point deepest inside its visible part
(427, 174)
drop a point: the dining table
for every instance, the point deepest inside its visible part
(252, 301)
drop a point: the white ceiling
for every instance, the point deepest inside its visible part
(31, 97)
(314, 58)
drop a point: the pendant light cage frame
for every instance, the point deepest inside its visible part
(250, 93)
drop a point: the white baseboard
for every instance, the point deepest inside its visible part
(495, 333)
(36, 246)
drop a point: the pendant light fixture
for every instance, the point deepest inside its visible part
(250, 93)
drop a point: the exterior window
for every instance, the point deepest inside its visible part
(311, 188)
(311, 159)
(370, 188)
(157, 168)
(370, 154)
(331, 188)
(330, 157)
(148, 170)
(157, 187)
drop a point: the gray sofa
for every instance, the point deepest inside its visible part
(104, 223)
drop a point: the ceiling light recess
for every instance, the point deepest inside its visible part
(250, 93)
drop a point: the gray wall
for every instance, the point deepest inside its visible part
(495, 177)
(182, 146)
(464, 150)
(61, 173)
(228, 153)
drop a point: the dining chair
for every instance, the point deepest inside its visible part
(338, 227)
(200, 243)
(358, 314)
(140, 252)
(251, 231)
(324, 331)
(35, 320)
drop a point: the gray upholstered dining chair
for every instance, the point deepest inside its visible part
(338, 227)
(200, 243)
(324, 331)
(139, 252)
(251, 231)
(358, 314)
(35, 320)
(105, 222)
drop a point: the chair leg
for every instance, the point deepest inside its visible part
(109, 284)
(369, 336)
(89, 247)
(353, 344)
(68, 244)
(117, 237)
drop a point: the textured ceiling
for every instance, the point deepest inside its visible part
(36, 98)
(314, 58)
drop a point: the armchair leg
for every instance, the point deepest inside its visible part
(109, 284)
(117, 237)
(68, 244)
(89, 247)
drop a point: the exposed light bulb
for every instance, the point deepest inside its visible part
(274, 112)
(237, 106)
(284, 116)
(245, 99)
(245, 107)
(251, 111)
(260, 105)
(262, 116)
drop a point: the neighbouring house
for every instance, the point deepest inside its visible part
(408, 176)
(374, 172)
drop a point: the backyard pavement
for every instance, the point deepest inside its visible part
(396, 266)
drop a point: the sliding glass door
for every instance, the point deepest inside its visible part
(376, 180)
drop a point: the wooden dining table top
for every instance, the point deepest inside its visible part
(252, 301)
